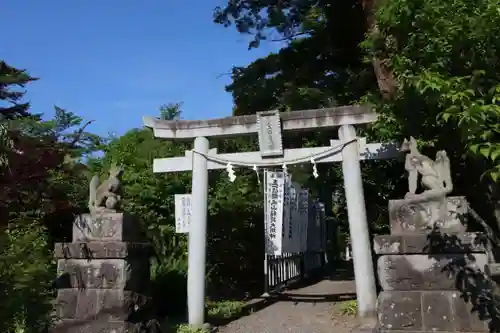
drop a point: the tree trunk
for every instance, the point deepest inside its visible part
(385, 78)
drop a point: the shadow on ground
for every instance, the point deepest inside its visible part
(319, 287)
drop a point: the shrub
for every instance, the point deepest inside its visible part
(169, 287)
(27, 272)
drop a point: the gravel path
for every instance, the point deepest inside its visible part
(308, 309)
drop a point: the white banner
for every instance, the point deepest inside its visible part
(183, 212)
(303, 217)
(322, 214)
(295, 217)
(315, 243)
(274, 197)
(287, 217)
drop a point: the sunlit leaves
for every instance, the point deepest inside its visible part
(445, 56)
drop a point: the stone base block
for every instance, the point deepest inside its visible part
(408, 216)
(106, 226)
(433, 243)
(365, 330)
(103, 273)
(101, 305)
(101, 250)
(398, 331)
(430, 311)
(82, 326)
(425, 272)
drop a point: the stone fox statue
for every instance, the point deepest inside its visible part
(436, 175)
(105, 195)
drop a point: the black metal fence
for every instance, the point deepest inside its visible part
(280, 271)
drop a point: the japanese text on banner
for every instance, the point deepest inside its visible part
(274, 196)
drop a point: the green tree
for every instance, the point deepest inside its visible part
(171, 111)
(11, 98)
(322, 57)
(42, 186)
(429, 67)
(444, 57)
(321, 65)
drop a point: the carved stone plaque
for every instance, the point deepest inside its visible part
(107, 226)
(269, 130)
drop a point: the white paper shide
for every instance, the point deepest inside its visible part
(183, 212)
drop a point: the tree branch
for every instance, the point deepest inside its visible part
(298, 34)
(80, 133)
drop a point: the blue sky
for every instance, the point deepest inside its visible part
(114, 61)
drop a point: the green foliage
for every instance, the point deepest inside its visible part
(347, 308)
(224, 309)
(235, 220)
(43, 165)
(11, 105)
(321, 65)
(150, 197)
(42, 186)
(27, 272)
(217, 311)
(185, 328)
(443, 55)
(171, 111)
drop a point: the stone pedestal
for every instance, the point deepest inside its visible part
(102, 275)
(431, 278)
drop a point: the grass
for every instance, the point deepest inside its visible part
(347, 308)
(185, 328)
(224, 309)
(217, 311)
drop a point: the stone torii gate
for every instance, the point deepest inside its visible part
(349, 150)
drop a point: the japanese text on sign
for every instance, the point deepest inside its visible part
(183, 212)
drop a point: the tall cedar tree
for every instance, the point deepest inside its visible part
(11, 105)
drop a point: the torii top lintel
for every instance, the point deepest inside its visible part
(241, 125)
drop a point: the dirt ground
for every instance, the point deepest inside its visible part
(309, 309)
